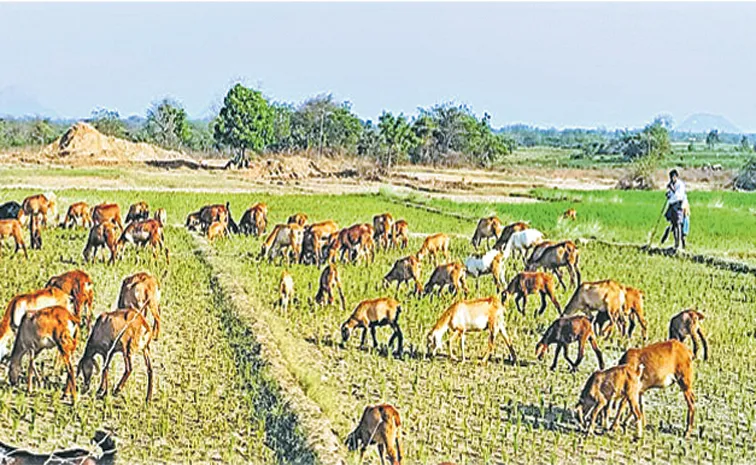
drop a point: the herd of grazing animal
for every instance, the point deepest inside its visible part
(54, 316)
(595, 309)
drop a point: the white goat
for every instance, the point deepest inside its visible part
(522, 242)
(479, 266)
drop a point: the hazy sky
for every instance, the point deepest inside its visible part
(561, 64)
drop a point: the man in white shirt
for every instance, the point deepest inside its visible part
(676, 198)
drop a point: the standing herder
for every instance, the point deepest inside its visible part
(676, 198)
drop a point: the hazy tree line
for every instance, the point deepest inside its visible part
(445, 134)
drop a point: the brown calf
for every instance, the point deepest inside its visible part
(665, 363)
(42, 206)
(606, 296)
(216, 230)
(329, 280)
(285, 241)
(379, 425)
(12, 228)
(353, 242)
(370, 314)
(299, 218)
(317, 235)
(286, 290)
(123, 331)
(570, 214)
(47, 328)
(688, 323)
(563, 332)
(530, 282)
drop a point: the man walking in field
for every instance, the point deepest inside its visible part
(677, 200)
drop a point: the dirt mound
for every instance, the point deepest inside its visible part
(84, 143)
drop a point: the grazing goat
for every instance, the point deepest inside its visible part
(77, 284)
(298, 218)
(284, 237)
(286, 288)
(329, 280)
(161, 216)
(382, 225)
(101, 439)
(145, 232)
(606, 296)
(449, 274)
(570, 214)
(521, 242)
(434, 245)
(216, 230)
(47, 328)
(255, 220)
(370, 314)
(665, 363)
(139, 211)
(12, 228)
(11, 211)
(507, 232)
(688, 323)
(43, 206)
(21, 304)
(405, 270)
(315, 237)
(486, 229)
(555, 256)
(123, 331)
(379, 425)
(102, 235)
(617, 384)
(632, 311)
(107, 213)
(468, 316)
(400, 234)
(353, 241)
(490, 263)
(141, 291)
(530, 282)
(563, 332)
(209, 214)
(78, 215)
(193, 222)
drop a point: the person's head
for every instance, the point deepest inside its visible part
(673, 175)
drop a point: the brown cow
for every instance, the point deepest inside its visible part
(78, 284)
(606, 296)
(317, 235)
(145, 232)
(617, 384)
(434, 245)
(353, 241)
(298, 218)
(43, 206)
(570, 214)
(141, 291)
(329, 280)
(102, 235)
(371, 314)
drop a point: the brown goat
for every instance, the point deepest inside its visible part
(570, 214)
(286, 290)
(688, 323)
(553, 257)
(563, 332)
(507, 232)
(317, 235)
(405, 270)
(606, 296)
(665, 363)
(370, 314)
(78, 215)
(469, 316)
(632, 312)
(400, 234)
(486, 229)
(382, 225)
(40, 206)
(380, 424)
(255, 220)
(139, 211)
(530, 282)
(353, 242)
(434, 245)
(617, 384)
(141, 291)
(284, 238)
(102, 235)
(47, 328)
(329, 280)
(452, 275)
(21, 304)
(107, 212)
(209, 214)
(12, 228)
(298, 218)
(123, 331)
(78, 284)
(216, 230)
(145, 232)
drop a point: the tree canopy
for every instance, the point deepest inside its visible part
(246, 122)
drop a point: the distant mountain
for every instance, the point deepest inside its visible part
(15, 102)
(705, 122)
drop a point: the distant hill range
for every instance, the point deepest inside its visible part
(16, 103)
(705, 122)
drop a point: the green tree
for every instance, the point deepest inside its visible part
(370, 142)
(246, 122)
(325, 125)
(167, 125)
(745, 146)
(398, 138)
(108, 122)
(282, 140)
(42, 132)
(712, 138)
(651, 142)
(485, 147)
